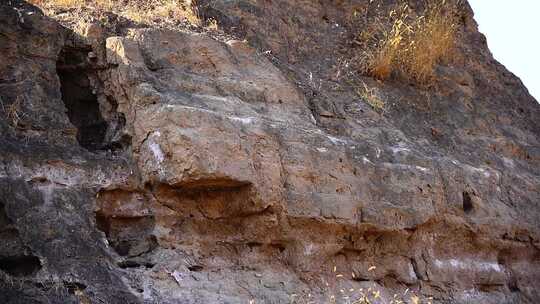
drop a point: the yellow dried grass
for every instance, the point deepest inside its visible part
(177, 10)
(411, 47)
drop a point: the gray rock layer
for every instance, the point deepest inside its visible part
(145, 165)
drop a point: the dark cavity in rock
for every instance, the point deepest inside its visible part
(4, 219)
(79, 98)
(467, 202)
(23, 265)
(128, 236)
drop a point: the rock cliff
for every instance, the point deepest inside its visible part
(173, 164)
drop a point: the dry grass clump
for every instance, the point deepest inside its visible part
(138, 11)
(13, 112)
(66, 3)
(371, 96)
(180, 10)
(410, 46)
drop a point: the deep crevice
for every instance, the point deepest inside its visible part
(4, 219)
(95, 115)
(513, 286)
(135, 264)
(195, 268)
(467, 202)
(80, 99)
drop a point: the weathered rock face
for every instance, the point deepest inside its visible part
(144, 165)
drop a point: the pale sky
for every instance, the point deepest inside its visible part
(512, 28)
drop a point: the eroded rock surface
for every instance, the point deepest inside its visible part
(145, 165)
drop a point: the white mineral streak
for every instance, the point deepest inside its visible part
(468, 264)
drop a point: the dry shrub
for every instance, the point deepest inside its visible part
(138, 11)
(411, 46)
(176, 10)
(431, 42)
(390, 51)
(371, 96)
(13, 112)
(58, 3)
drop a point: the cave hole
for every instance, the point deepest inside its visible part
(4, 219)
(79, 97)
(21, 265)
(128, 236)
(513, 286)
(135, 264)
(15, 265)
(467, 202)
(195, 268)
(102, 223)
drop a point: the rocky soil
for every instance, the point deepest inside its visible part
(176, 164)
